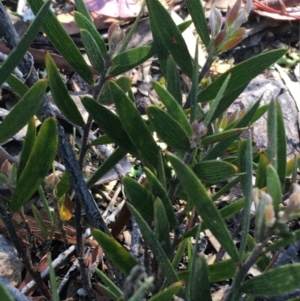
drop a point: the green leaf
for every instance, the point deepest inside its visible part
(63, 42)
(242, 74)
(274, 282)
(173, 107)
(38, 165)
(102, 140)
(40, 221)
(274, 187)
(107, 165)
(84, 23)
(158, 191)
(206, 171)
(45, 204)
(120, 257)
(23, 111)
(168, 293)
(197, 13)
(214, 105)
(158, 253)
(92, 50)
(113, 288)
(217, 272)
(205, 208)
(83, 10)
(5, 293)
(140, 198)
(63, 185)
(161, 226)
(272, 134)
(173, 80)
(132, 58)
(168, 129)
(245, 151)
(60, 93)
(16, 56)
(261, 174)
(52, 277)
(281, 145)
(18, 87)
(105, 96)
(217, 150)
(109, 123)
(199, 282)
(165, 32)
(221, 136)
(226, 101)
(135, 127)
(27, 146)
(192, 97)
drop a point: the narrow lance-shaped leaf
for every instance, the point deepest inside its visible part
(168, 293)
(196, 10)
(27, 146)
(135, 127)
(105, 97)
(261, 179)
(199, 280)
(272, 134)
(274, 282)
(92, 50)
(109, 123)
(281, 145)
(40, 221)
(115, 252)
(38, 165)
(23, 111)
(173, 80)
(199, 197)
(242, 74)
(222, 145)
(173, 107)
(206, 171)
(158, 191)
(117, 69)
(15, 57)
(247, 166)
(18, 87)
(165, 32)
(211, 113)
(53, 283)
(82, 8)
(140, 198)
(162, 227)
(168, 129)
(159, 254)
(84, 23)
(107, 165)
(113, 288)
(63, 42)
(274, 186)
(60, 93)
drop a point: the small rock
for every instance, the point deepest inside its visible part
(10, 265)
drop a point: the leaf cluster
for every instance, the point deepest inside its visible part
(202, 149)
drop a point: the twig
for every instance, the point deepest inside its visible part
(7, 220)
(78, 183)
(57, 262)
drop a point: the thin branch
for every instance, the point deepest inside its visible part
(7, 220)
